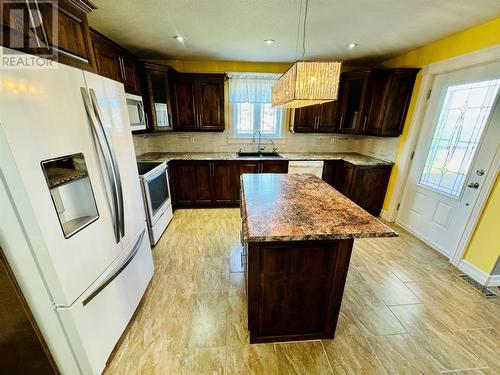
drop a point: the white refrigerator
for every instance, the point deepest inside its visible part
(68, 162)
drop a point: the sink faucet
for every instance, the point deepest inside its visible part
(260, 139)
(275, 149)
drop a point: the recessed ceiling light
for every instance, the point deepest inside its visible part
(352, 45)
(179, 38)
(269, 41)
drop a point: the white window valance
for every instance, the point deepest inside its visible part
(251, 87)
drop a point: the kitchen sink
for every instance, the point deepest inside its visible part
(242, 154)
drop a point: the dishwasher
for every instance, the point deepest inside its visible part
(314, 167)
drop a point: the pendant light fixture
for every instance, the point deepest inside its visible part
(307, 82)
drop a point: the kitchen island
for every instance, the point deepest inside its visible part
(298, 234)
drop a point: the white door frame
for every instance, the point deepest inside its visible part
(481, 57)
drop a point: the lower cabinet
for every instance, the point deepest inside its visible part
(364, 185)
(204, 183)
(225, 178)
(274, 166)
(214, 183)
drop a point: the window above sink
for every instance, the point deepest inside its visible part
(250, 104)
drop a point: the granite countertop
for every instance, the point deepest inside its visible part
(353, 158)
(295, 207)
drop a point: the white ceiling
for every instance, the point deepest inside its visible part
(236, 29)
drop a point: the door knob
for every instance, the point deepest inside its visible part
(480, 172)
(473, 185)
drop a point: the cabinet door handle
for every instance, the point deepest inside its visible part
(42, 24)
(316, 122)
(121, 67)
(364, 122)
(124, 71)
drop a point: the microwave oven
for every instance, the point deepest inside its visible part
(136, 112)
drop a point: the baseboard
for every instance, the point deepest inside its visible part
(494, 280)
(385, 215)
(479, 275)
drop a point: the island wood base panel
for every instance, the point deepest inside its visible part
(295, 289)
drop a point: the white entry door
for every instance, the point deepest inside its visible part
(459, 139)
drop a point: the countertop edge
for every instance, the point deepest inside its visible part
(318, 237)
(348, 157)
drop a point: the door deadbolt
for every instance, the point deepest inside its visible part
(480, 172)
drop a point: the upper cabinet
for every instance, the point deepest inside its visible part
(375, 102)
(67, 36)
(391, 94)
(116, 63)
(353, 98)
(318, 118)
(156, 83)
(370, 102)
(198, 102)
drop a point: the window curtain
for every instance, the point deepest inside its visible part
(250, 87)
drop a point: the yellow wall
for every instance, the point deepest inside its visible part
(484, 248)
(201, 66)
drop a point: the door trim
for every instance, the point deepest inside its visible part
(477, 210)
(476, 58)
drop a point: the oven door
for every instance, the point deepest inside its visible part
(136, 112)
(157, 193)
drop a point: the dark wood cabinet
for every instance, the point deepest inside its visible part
(364, 185)
(295, 289)
(182, 183)
(115, 62)
(264, 166)
(318, 118)
(368, 187)
(106, 58)
(199, 102)
(214, 183)
(130, 77)
(249, 166)
(338, 174)
(304, 119)
(391, 94)
(23, 349)
(274, 166)
(204, 183)
(62, 32)
(187, 117)
(191, 182)
(225, 181)
(375, 102)
(352, 106)
(156, 83)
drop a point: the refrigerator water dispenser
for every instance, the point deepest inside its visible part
(71, 191)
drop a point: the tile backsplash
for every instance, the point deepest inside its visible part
(382, 148)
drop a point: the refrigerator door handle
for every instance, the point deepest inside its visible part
(107, 163)
(117, 270)
(115, 169)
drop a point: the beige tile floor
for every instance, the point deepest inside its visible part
(404, 312)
